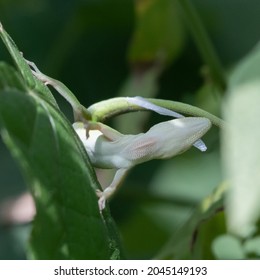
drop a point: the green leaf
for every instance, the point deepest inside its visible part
(208, 231)
(228, 247)
(183, 241)
(252, 246)
(241, 151)
(158, 33)
(31, 82)
(68, 224)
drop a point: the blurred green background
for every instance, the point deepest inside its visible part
(106, 48)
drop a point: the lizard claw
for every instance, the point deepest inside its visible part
(102, 200)
(102, 203)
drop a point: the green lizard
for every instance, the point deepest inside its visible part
(108, 148)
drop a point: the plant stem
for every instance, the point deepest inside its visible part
(204, 44)
(115, 106)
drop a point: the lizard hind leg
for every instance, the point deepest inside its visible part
(80, 113)
(33, 66)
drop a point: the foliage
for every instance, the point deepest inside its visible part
(59, 173)
(182, 208)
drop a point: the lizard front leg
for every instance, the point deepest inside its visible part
(110, 190)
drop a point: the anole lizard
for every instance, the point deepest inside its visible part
(108, 148)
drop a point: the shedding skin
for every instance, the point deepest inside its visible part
(109, 149)
(142, 102)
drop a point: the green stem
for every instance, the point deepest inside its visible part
(115, 106)
(204, 44)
